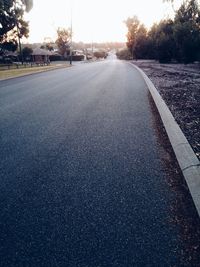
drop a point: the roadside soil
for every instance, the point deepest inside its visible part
(179, 86)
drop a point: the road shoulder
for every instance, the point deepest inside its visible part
(188, 162)
(14, 73)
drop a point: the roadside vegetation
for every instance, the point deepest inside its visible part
(15, 55)
(12, 24)
(22, 70)
(176, 39)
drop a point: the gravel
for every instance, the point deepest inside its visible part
(179, 86)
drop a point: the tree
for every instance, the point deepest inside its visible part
(100, 54)
(137, 38)
(12, 24)
(48, 46)
(63, 41)
(187, 31)
(123, 54)
(163, 42)
(141, 43)
(133, 26)
(26, 52)
(177, 39)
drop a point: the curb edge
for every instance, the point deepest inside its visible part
(187, 160)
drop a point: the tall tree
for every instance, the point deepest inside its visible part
(162, 38)
(187, 31)
(63, 41)
(133, 25)
(26, 52)
(141, 43)
(12, 24)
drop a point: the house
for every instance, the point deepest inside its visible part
(40, 56)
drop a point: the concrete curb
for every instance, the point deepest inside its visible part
(188, 162)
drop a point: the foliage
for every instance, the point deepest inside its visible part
(123, 54)
(141, 46)
(133, 25)
(47, 46)
(187, 31)
(177, 39)
(10, 45)
(100, 54)
(12, 24)
(26, 52)
(63, 41)
(138, 41)
(163, 41)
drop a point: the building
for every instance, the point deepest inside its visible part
(40, 56)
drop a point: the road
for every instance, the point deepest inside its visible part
(83, 183)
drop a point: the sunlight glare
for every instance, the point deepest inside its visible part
(93, 20)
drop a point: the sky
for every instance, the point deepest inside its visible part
(92, 20)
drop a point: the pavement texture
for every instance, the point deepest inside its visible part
(83, 176)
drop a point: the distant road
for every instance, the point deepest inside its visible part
(83, 183)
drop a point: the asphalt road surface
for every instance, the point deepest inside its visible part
(82, 180)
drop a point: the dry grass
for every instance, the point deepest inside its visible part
(11, 73)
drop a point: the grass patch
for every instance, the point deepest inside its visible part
(11, 73)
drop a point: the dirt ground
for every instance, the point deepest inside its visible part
(179, 86)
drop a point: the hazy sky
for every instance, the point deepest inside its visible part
(92, 20)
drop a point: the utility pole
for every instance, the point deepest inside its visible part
(92, 48)
(71, 38)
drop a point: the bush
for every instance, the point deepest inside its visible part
(124, 54)
(100, 54)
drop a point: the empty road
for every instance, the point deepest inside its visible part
(82, 177)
